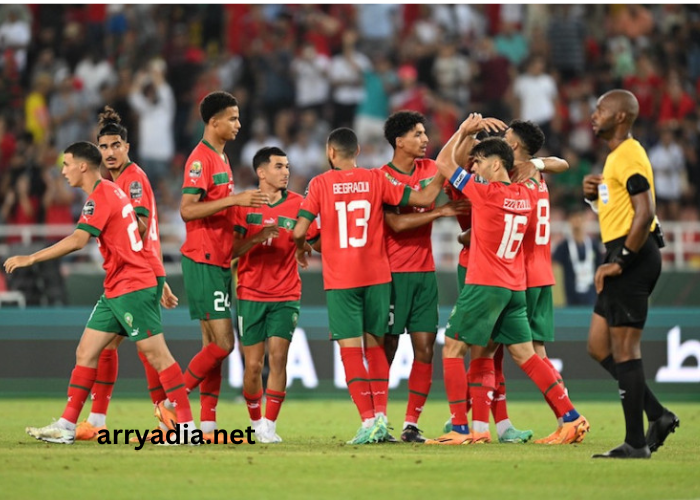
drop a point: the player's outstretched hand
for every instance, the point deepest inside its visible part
(590, 186)
(301, 255)
(457, 207)
(522, 171)
(168, 300)
(18, 261)
(610, 269)
(251, 198)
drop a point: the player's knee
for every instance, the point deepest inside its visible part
(254, 367)
(424, 354)
(277, 361)
(84, 356)
(226, 343)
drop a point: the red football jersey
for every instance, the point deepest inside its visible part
(412, 251)
(268, 272)
(350, 203)
(209, 240)
(134, 182)
(536, 245)
(464, 220)
(108, 216)
(500, 217)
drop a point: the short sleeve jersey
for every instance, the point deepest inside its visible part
(268, 272)
(500, 217)
(108, 216)
(464, 221)
(350, 203)
(615, 210)
(537, 244)
(411, 251)
(134, 182)
(208, 174)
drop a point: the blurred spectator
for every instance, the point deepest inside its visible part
(380, 81)
(493, 81)
(347, 78)
(566, 34)
(15, 32)
(667, 160)
(36, 112)
(94, 72)
(377, 25)
(310, 72)
(307, 159)
(452, 73)
(676, 103)
(261, 138)
(412, 95)
(152, 98)
(511, 44)
(579, 255)
(535, 94)
(70, 112)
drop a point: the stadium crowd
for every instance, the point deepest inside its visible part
(300, 71)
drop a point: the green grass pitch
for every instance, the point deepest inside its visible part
(315, 462)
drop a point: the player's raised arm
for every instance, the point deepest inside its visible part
(67, 245)
(403, 222)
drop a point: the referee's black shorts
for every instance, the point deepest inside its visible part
(624, 300)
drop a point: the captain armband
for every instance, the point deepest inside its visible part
(637, 184)
(460, 178)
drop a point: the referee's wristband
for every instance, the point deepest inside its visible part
(625, 257)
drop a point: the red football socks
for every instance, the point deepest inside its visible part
(81, 381)
(419, 382)
(107, 369)
(357, 378)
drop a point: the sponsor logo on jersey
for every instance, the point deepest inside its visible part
(135, 190)
(356, 187)
(603, 193)
(89, 208)
(196, 169)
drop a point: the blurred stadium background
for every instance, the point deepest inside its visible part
(299, 71)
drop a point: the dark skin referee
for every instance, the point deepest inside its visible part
(623, 197)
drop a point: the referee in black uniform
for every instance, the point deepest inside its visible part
(623, 196)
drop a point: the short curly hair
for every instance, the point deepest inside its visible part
(214, 103)
(529, 134)
(401, 123)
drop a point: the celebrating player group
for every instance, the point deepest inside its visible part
(372, 227)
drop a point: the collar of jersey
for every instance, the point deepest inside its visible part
(204, 141)
(391, 165)
(281, 200)
(96, 184)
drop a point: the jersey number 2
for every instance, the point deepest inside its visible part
(132, 228)
(361, 221)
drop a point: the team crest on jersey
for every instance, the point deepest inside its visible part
(135, 190)
(89, 208)
(392, 179)
(196, 169)
(129, 319)
(529, 184)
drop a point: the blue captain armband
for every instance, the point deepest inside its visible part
(460, 178)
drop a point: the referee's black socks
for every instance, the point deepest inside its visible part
(652, 407)
(630, 379)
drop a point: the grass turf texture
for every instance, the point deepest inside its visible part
(315, 462)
